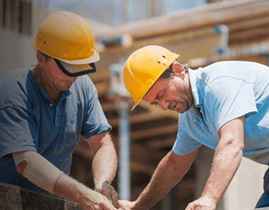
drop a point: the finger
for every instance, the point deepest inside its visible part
(92, 207)
(188, 207)
(96, 207)
(108, 206)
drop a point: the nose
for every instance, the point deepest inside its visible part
(163, 104)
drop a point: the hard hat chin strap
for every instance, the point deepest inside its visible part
(76, 74)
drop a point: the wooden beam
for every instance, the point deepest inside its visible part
(161, 144)
(237, 52)
(100, 76)
(141, 168)
(254, 34)
(102, 88)
(161, 130)
(15, 198)
(145, 156)
(83, 149)
(250, 23)
(140, 118)
(212, 14)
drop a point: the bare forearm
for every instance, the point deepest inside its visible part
(225, 164)
(104, 164)
(73, 190)
(70, 188)
(167, 175)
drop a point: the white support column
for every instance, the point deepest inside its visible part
(246, 187)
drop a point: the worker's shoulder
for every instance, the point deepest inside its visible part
(15, 76)
(236, 65)
(245, 70)
(14, 87)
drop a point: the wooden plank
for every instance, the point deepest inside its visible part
(254, 34)
(102, 88)
(141, 168)
(212, 14)
(145, 156)
(100, 76)
(138, 118)
(83, 149)
(15, 198)
(205, 44)
(162, 144)
(166, 129)
(250, 23)
(254, 52)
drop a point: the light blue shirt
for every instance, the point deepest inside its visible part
(29, 120)
(222, 92)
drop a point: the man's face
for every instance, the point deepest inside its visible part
(55, 78)
(170, 94)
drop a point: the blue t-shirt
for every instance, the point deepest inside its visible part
(30, 121)
(222, 92)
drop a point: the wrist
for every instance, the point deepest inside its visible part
(210, 196)
(69, 188)
(139, 205)
(99, 185)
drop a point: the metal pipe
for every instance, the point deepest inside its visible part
(124, 152)
(166, 203)
(224, 31)
(120, 94)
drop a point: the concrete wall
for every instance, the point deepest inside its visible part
(246, 187)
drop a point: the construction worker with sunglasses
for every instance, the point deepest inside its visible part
(46, 108)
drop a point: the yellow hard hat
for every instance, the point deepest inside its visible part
(68, 38)
(144, 67)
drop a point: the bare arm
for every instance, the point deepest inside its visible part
(104, 165)
(42, 173)
(169, 172)
(226, 162)
(86, 197)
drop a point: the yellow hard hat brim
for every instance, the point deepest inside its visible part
(94, 58)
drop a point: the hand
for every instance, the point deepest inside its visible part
(203, 203)
(126, 205)
(95, 201)
(108, 190)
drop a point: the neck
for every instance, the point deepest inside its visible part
(41, 80)
(188, 89)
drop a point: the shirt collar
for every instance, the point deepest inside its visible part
(194, 76)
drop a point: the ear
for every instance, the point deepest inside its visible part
(40, 58)
(178, 70)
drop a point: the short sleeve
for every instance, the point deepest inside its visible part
(184, 143)
(94, 121)
(228, 98)
(18, 131)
